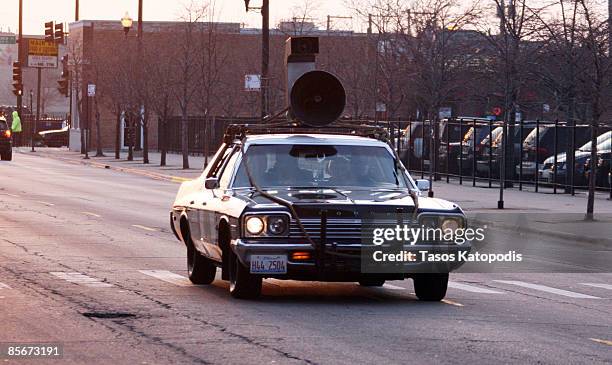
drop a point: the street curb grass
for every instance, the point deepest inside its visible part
(153, 175)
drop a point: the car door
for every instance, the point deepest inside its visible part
(207, 217)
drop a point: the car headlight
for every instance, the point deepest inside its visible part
(254, 225)
(277, 225)
(450, 224)
(263, 225)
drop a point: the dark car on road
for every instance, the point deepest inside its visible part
(6, 144)
(55, 138)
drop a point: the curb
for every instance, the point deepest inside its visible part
(563, 235)
(153, 175)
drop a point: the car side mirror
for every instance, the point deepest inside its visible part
(422, 184)
(211, 183)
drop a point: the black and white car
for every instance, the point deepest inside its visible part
(299, 211)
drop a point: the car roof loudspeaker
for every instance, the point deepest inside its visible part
(317, 98)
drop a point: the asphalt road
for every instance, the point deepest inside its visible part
(87, 260)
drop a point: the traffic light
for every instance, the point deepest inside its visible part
(49, 32)
(59, 33)
(17, 79)
(64, 81)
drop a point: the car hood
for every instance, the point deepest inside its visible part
(321, 198)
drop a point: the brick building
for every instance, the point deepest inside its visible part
(218, 57)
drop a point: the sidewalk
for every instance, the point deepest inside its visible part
(558, 215)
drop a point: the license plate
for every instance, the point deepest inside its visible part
(268, 264)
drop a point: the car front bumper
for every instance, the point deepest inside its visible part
(343, 262)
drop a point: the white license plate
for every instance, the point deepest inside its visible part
(268, 264)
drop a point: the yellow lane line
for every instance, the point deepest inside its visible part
(145, 228)
(450, 302)
(598, 340)
(45, 203)
(92, 214)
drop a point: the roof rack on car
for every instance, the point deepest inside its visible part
(361, 129)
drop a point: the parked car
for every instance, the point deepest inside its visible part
(546, 172)
(6, 144)
(536, 150)
(295, 206)
(604, 161)
(55, 138)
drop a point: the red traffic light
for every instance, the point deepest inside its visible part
(497, 111)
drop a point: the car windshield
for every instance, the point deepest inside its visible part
(332, 166)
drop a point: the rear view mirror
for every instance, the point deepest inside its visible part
(422, 184)
(211, 183)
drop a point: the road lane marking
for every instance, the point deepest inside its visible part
(45, 203)
(450, 302)
(471, 288)
(92, 214)
(393, 287)
(4, 286)
(599, 340)
(80, 279)
(145, 228)
(598, 285)
(548, 289)
(168, 277)
(13, 195)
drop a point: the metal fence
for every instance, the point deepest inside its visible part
(204, 134)
(467, 151)
(538, 154)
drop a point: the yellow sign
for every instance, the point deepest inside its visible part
(38, 47)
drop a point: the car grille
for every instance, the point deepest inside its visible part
(341, 229)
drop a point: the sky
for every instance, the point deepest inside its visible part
(37, 12)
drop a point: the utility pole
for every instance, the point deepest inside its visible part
(265, 56)
(20, 58)
(76, 11)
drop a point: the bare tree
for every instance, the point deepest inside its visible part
(186, 66)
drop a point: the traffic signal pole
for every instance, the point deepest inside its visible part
(35, 124)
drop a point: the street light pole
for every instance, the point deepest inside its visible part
(265, 56)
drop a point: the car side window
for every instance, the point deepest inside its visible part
(217, 170)
(226, 174)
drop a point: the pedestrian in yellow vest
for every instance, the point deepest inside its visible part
(16, 128)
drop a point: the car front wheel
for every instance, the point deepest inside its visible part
(201, 270)
(243, 284)
(430, 287)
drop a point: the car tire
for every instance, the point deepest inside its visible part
(201, 270)
(243, 284)
(371, 282)
(7, 156)
(430, 287)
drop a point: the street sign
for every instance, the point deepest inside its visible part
(42, 54)
(445, 112)
(91, 90)
(252, 82)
